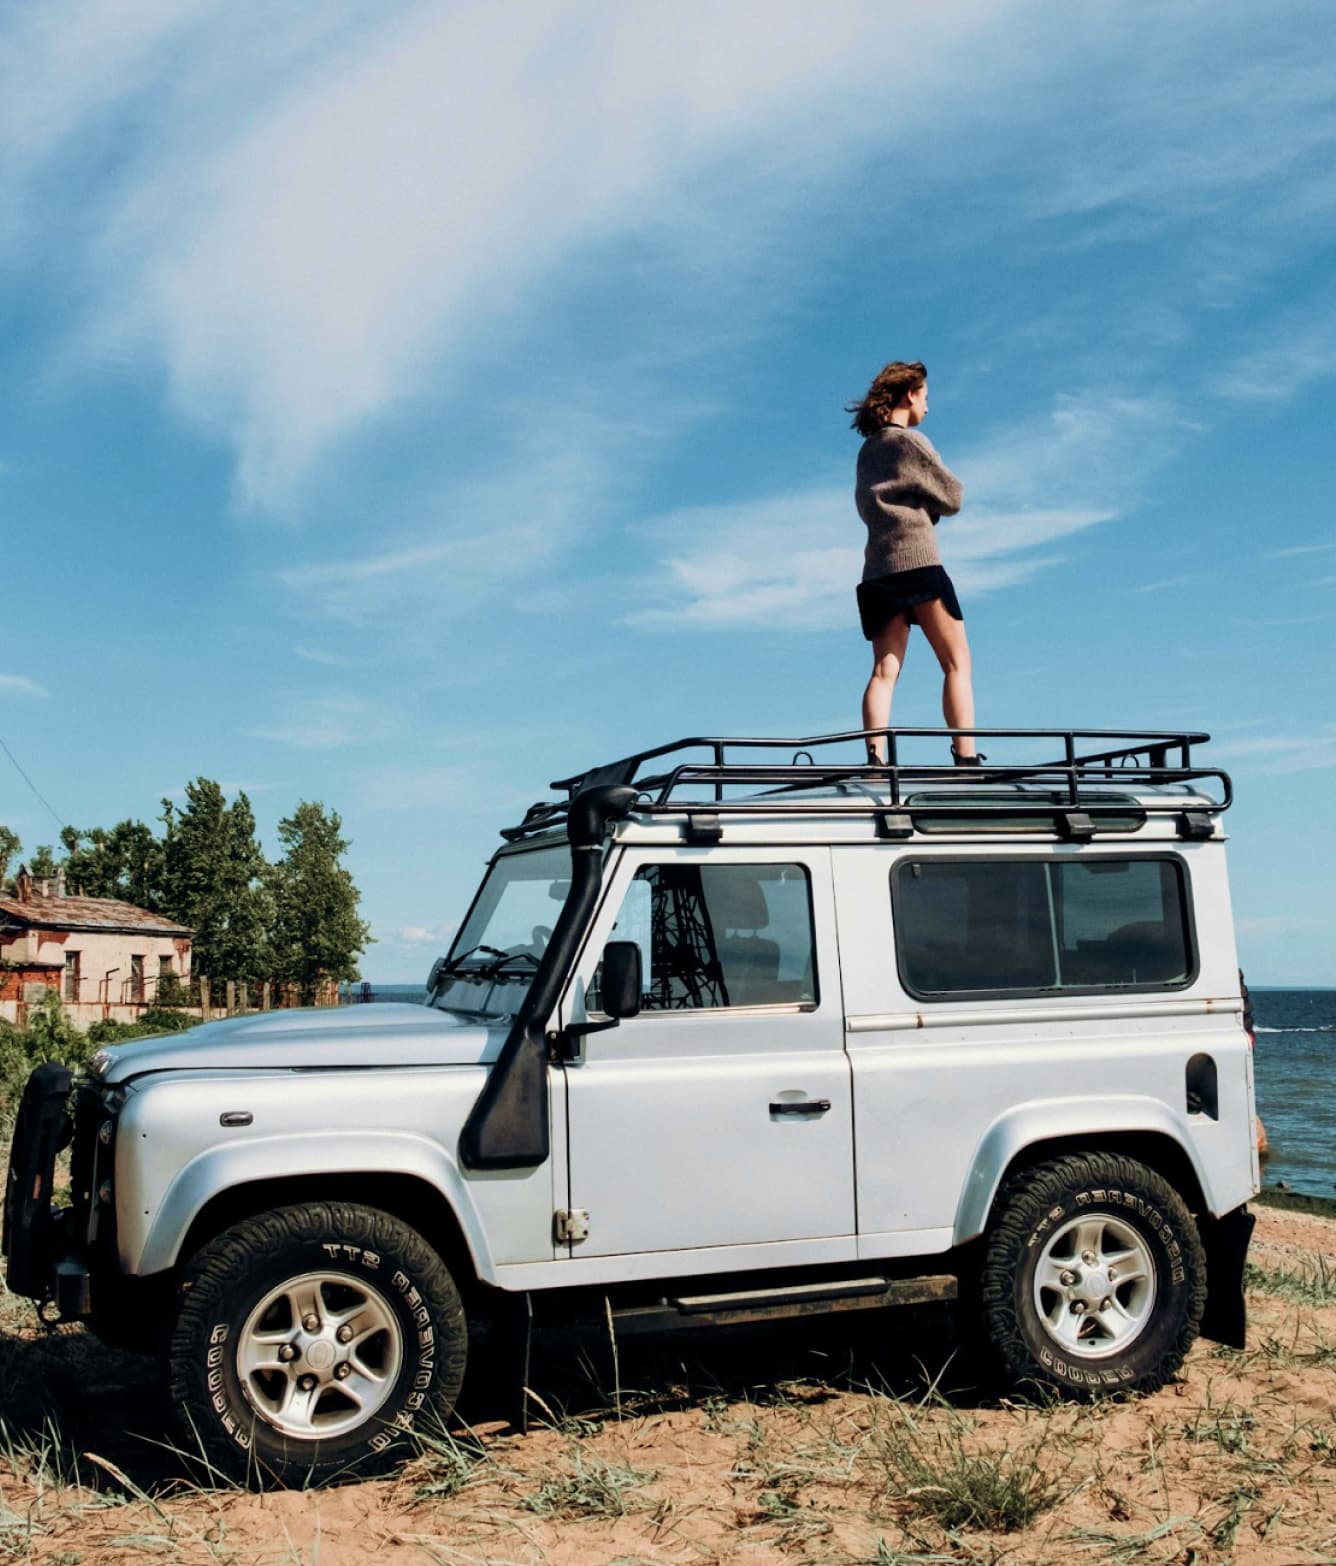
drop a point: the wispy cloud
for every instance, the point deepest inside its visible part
(327, 659)
(1276, 754)
(327, 723)
(468, 537)
(1165, 583)
(791, 561)
(21, 685)
(319, 210)
(1298, 549)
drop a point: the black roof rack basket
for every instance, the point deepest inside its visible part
(717, 776)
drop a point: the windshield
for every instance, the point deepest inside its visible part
(494, 956)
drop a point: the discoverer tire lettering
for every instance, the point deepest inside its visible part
(276, 1389)
(1092, 1278)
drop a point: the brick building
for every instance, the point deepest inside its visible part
(106, 958)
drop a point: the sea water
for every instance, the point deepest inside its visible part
(1295, 1063)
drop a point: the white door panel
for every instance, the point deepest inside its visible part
(714, 1126)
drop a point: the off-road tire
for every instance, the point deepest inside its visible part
(1032, 1211)
(359, 1251)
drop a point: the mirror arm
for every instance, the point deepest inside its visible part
(578, 1030)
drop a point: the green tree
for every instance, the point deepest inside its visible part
(125, 863)
(10, 849)
(317, 935)
(43, 862)
(215, 879)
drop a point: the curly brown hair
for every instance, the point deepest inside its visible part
(892, 385)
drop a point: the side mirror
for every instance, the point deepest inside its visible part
(622, 979)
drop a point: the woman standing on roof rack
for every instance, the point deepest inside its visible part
(903, 488)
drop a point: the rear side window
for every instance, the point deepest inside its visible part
(990, 926)
(720, 935)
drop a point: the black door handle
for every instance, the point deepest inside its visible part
(809, 1106)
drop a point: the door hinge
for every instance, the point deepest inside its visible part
(570, 1224)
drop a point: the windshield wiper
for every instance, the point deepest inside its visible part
(449, 969)
(497, 969)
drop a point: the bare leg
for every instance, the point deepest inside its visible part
(946, 637)
(888, 656)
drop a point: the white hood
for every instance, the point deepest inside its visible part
(382, 1034)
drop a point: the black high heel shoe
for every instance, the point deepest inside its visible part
(966, 761)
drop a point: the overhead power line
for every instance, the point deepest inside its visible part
(31, 784)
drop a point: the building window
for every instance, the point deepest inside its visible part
(71, 976)
(136, 978)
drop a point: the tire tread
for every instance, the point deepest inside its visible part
(1021, 1201)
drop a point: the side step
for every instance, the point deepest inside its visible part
(691, 1311)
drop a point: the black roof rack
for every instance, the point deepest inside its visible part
(1069, 787)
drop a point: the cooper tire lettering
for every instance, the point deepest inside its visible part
(1030, 1213)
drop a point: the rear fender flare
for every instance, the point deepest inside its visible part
(1067, 1119)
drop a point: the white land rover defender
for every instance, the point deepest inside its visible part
(733, 1029)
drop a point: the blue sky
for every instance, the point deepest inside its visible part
(408, 404)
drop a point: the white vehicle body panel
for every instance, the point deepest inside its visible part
(672, 1144)
(173, 1156)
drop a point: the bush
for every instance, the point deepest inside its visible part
(108, 1031)
(50, 1035)
(54, 1036)
(156, 1019)
(162, 1019)
(171, 992)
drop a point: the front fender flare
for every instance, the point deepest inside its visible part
(153, 1243)
(1044, 1120)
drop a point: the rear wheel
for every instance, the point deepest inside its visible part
(1093, 1277)
(308, 1340)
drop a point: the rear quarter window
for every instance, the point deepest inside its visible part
(1000, 926)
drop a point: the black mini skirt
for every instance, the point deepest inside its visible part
(884, 597)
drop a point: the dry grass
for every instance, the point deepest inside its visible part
(824, 1446)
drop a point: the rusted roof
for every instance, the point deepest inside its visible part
(86, 913)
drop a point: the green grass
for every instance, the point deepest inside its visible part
(928, 1463)
(592, 1487)
(1313, 1282)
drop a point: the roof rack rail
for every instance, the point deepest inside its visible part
(1076, 778)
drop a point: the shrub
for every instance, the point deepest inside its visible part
(156, 1019)
(50, 1035)
(162, 1019)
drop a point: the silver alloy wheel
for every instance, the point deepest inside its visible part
(320, 1354)
(1095, 1286)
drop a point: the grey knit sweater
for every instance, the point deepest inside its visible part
(903, 487)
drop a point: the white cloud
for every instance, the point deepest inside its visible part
(791, 562)
(327, 723)
(1299, 549)
(312, 213)
(327, 659)
(21, 685)
(425, 935)
(1281, 754)
(316, 216)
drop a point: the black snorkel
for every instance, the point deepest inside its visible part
(507, 1127)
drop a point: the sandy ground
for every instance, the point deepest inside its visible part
(817, 1446)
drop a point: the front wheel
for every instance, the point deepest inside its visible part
(310, 1338)
(1093, 1277)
